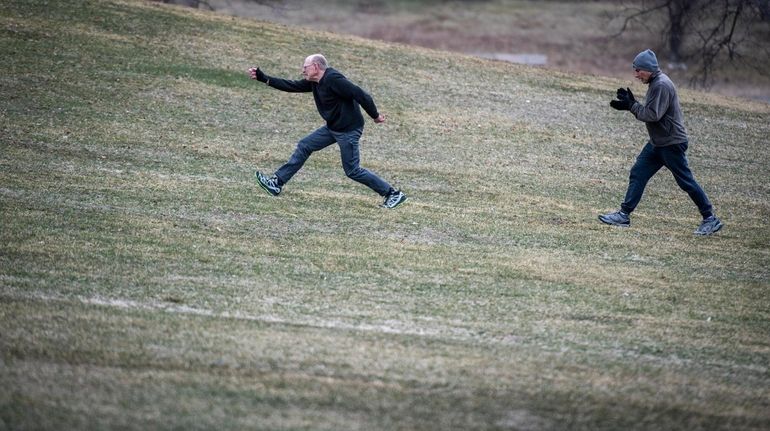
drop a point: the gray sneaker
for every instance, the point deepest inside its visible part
(270, 184)
(709, 226)
(396, 198)
(618, 218)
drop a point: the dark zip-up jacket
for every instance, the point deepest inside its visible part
(336, 98)
(661, 112)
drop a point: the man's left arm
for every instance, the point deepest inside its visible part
(347, 89)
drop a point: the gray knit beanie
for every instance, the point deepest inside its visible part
(646, 60)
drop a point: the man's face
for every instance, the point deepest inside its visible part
(642, 75)
(310, 71)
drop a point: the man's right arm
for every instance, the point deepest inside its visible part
(655, 106)
(291, 86)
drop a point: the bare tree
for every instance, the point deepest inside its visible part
(701, 34)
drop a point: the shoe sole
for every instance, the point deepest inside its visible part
(613, 223)
(270, 192)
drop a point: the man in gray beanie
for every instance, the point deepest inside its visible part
(667, 145)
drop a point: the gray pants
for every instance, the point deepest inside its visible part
(348, 143)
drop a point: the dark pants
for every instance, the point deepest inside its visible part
(348, 143)
(650, 160)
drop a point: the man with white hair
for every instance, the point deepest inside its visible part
(663, 117)
(338, 101)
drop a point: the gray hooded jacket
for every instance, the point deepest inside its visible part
(661, 112)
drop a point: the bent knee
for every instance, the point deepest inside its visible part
(354, 173)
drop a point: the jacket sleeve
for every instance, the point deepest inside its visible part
(290, 86)
(344, 88)
(655, 105)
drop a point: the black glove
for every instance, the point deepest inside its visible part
(261, 77)
(620, 105)
(626, 94)
(625, 100)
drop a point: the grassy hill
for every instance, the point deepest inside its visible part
(577, 36)
(147, 283)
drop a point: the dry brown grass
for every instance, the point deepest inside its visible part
(147, 283)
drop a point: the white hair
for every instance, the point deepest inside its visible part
(320, 60)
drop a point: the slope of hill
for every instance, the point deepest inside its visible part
(147, 283)
(577, 36)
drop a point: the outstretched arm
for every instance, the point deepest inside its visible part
(291, 86)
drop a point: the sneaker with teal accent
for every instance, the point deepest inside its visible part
(709, 226)
(269, 184)
(394, 199)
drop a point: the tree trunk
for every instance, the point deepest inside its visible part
(678, 14)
